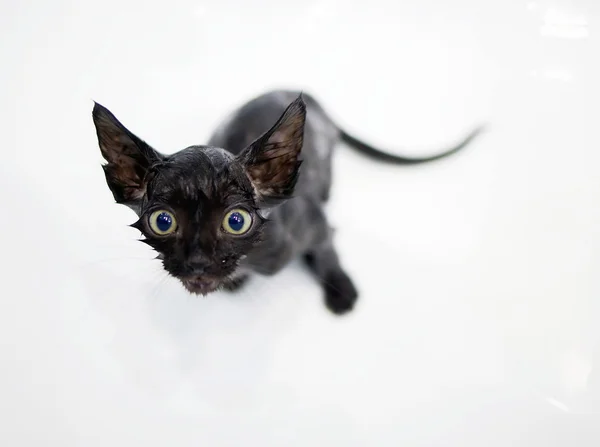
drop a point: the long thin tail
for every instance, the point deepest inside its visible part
(381, 155)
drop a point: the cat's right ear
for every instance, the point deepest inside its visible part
(128, 158)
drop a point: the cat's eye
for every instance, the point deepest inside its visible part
(162, 222)
(237, 221)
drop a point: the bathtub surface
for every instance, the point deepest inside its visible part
(478, 318)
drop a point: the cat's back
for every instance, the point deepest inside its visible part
(258, 115)
(251, 120)
(247, 123)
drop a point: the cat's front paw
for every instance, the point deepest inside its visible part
(340, 293)
(235, 284)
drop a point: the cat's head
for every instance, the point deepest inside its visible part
(202, 208)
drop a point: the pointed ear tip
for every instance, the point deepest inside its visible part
(299, 106)
(300, 100)
(99, 109)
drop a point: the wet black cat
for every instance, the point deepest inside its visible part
(242, 204)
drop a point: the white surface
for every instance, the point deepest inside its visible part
(478, 323)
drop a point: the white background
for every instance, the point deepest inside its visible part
(478, 323)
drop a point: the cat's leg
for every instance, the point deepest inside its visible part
(340, 293)
(325, 194)
(236, 283)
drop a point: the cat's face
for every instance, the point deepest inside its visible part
(200, 213)
(202, 209)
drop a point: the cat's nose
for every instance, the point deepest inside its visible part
(196, 268)
(197, 265)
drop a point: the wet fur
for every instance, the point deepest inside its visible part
(271, 157)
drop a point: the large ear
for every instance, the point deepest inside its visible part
(271, 162)
(129, 158)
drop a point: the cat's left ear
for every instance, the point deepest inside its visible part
(129, 158)
(272, 161)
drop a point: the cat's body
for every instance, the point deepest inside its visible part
(249, 172)
(298, 226)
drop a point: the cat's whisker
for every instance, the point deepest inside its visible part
(161, 282)
(120, 258)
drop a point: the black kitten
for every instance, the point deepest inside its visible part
(217, 213)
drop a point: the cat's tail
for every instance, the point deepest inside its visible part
(384, 156)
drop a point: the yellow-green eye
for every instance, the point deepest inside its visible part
(237, 221)
(162, 222)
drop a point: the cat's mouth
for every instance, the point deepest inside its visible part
(200, 285)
